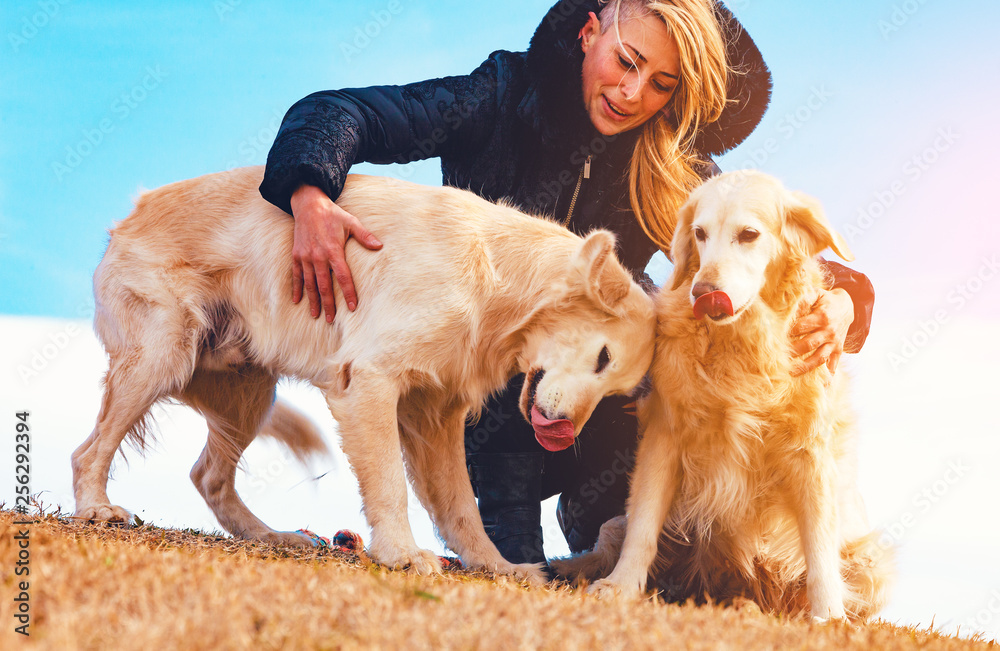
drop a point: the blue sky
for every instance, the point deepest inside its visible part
(100, 99)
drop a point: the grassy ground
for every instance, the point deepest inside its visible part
(99, 587)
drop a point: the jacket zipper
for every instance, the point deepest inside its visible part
(584, 174)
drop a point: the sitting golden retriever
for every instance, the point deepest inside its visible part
(193, 304)
(745, 481)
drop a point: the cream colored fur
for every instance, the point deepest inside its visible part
(745, 478)
(193, 304)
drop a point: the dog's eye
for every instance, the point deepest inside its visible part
(699, 233)
(747, 235)
(603, 359)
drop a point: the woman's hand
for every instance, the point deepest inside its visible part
(819, 333)
(322, 229)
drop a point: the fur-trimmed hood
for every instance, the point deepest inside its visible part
(554, 62)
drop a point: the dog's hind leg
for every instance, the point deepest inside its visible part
(435, 453)
(365, 411)
(867, 566)
(235, 403)
(600, 561)
(136, 379)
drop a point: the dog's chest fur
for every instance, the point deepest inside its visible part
(735, 414)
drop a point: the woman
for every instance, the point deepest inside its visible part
(608, 120)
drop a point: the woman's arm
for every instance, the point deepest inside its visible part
(862, 294)
(836, 322)
(325, 133)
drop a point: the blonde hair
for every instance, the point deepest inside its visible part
(663, 169)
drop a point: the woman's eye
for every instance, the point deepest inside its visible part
(625, 63)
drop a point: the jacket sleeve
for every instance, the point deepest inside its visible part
(862, 293)
(325, 133)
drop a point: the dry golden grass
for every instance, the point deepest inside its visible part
(99, 587)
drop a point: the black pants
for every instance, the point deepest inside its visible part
(591, 476)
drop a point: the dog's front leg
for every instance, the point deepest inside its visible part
(654, 484)
(813, 493)
(435, 453)
(366, 414)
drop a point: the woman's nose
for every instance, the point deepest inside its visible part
(631, 85)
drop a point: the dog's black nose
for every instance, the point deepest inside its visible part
(700, 289)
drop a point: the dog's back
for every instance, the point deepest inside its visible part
(189, 243)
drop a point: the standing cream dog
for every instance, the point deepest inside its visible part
(748, 472)
(193, 304)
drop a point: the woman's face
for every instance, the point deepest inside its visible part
(627, 83)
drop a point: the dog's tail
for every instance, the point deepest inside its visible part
(868, 568)
(292, 429)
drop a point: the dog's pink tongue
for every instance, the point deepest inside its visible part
(714, 304)
(553, 435)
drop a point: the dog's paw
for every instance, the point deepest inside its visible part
(825, 614)
(532, 573)
(563, 568)
(416, 560)
(816, 619)
(608, 589)
(577, 568)
(746, 606)
(287, 538)
(103, 513)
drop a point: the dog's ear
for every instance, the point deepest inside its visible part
(683, 251)
(606, 281)
(805, 215)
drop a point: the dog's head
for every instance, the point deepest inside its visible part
(732, 233)
(596, 339)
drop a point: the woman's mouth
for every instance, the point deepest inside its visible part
(613, 111)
